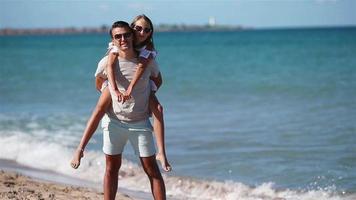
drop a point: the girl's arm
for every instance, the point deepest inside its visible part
(112, 60)
(141, 66)
(145, 57)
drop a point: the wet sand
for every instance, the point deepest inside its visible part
(21, 182)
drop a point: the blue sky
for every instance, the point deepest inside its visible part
(250, 13)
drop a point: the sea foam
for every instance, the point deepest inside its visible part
(36, 152)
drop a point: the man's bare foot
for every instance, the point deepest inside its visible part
(79, 153)
(164, 162)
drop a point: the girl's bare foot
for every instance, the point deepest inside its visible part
(164, 162)
(79, 153)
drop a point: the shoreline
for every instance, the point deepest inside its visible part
(105, 28)
(22, 182)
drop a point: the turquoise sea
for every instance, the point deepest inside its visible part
(253, 114)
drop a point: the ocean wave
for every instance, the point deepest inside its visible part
(55, 156)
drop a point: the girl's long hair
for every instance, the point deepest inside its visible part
(149, 40)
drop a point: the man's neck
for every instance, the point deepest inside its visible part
(127, 54)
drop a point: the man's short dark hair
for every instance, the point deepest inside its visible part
(119, 24)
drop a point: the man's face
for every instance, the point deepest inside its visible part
(122, 38)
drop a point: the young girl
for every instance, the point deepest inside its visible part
(143, 29)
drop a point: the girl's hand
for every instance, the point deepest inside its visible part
(120, 96)
(126, 97)
(127, 94)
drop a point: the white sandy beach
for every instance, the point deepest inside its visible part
(14, 184)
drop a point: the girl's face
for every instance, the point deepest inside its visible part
(142, 30)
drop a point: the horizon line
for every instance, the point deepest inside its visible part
(191, 25)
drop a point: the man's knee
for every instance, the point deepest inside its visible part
(112, 169)
(151, 169)
(112, 166)
(152, 172)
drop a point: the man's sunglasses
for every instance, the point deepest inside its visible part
(122, 35)
(140, 28)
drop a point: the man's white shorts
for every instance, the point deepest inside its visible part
(116, 134)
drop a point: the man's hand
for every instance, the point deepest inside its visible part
(99, 83)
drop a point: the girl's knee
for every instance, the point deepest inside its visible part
(160, 108)
(158, 112)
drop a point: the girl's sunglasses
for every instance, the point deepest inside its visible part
(123, 35)
(140, 28)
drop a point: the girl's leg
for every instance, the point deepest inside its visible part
(158, 126)
(103, 103)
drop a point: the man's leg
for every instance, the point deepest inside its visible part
(158, 189)
(113, 164)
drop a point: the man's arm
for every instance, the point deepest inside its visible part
(99, 82)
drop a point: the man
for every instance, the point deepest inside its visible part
(131, 117)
